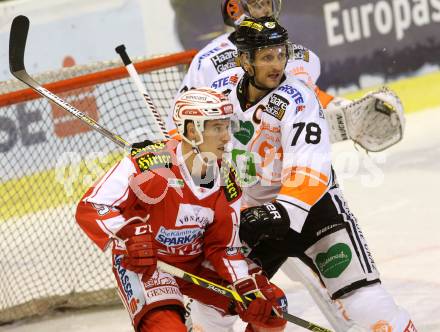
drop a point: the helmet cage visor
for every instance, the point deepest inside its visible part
(259, 8)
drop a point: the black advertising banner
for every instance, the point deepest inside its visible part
(385, 38)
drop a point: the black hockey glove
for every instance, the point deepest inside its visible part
(267, 221)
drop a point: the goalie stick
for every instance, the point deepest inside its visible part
(179, 273)
(141, 88)
(17, 45)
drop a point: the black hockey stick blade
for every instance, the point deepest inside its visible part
(17, 43)
(123, 54)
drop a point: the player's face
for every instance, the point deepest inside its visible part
(216, 135)
(269, 64)
(260, 8)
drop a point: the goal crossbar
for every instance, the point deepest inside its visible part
(87, 80)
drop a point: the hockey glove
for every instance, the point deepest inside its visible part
(139, 243)
(266, 305)
(267, 221)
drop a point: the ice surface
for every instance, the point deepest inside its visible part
(397, 205)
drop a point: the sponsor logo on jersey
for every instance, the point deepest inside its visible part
(133, 305)
(123, 277)
(176, 183)
(332, 263)
(159, 279)
(277, 106)
(233, 79)
(153, 160)
(232, 251)
(162, 292)
(301, 53)
(206, 55)
(103, 209)
(194, 215)
(230, 187)
(245, 132)
(220, 82)
(146, 146)
(293, 92)
(224, 60)
(410, 327)
(300, 108)
(382, 326)
(178, 237)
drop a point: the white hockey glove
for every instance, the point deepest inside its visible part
(375, 121)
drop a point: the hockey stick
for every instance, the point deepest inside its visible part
(141, 88)
(179, 273)
(17, 45)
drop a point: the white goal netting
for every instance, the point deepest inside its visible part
(48, 160)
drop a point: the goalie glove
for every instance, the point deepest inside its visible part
(375, 121)
(267, 221)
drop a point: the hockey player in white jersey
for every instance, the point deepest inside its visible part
(347, 119)
(219, 55)
(294, 205)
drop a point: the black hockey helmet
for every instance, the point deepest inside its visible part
(255, 33)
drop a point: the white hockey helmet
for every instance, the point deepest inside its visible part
(200, 105)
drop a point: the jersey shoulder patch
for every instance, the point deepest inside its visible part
(151, 155)
(301, 53)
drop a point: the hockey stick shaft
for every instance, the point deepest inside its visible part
(17, 45)
(179, 273)
(141, 88)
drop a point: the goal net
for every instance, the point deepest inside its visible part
(48, 159)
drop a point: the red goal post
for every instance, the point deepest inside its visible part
(48, 159)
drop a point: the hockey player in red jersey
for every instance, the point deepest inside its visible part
(176, 202)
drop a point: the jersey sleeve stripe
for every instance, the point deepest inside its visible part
(308, 191)
(307, 171)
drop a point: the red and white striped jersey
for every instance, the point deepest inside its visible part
(190, 223)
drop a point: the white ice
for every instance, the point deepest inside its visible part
(398, 208)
